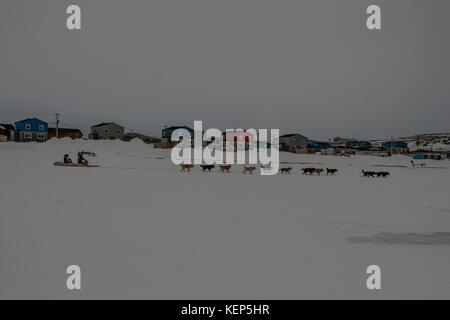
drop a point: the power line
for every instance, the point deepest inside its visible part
(25, 114)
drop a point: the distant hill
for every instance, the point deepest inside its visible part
(429, 141)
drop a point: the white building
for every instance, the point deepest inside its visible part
(292, 142)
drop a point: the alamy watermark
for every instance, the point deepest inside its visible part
(73, 281)
(73, 20)
(234, 146)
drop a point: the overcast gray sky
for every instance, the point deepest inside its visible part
(307, 66)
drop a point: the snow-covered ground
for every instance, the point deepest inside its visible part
(140, 228)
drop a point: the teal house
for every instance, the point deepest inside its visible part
(31, 130)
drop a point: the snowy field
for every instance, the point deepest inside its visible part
(140, 228)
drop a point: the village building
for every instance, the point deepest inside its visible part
(293, 141)
(319, 146)
(301, 150)
(396, 147)
(146, 139)
(107, 131)
(167, 132)
(166, 137)
(65, 133)
(30, 130)
(6, 132)
(340, 140)
(375, 152)
(358, 144)
(424, 155)
(247, 140)
(327, 151)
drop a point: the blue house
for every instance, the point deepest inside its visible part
(423, 156)
(395, 144)
(31, 130)
(319, 146)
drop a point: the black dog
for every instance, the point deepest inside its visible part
(331, 171)
(308, 170)
(207, 167)
(383, 174)
(368, 173)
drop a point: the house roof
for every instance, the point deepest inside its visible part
(131, 135)
(177, 127)
(6, 126)
(104, 124)
(30, 119)
(291, 135)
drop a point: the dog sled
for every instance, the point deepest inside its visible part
(62, 164)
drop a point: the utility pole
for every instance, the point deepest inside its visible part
(57, 125)
(392, 145)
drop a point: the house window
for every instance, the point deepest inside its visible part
(41, 127)
(27, 135)
(118, 131)
(28, 126)
(106, 130)
(41, 136)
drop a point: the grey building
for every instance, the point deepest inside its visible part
(107, 130)
(293, 141)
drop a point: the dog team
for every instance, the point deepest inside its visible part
(372, 174)
(287, 170)
(249, 170)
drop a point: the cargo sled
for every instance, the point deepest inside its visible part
(62, 164)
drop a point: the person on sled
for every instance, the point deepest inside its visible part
(67, 159)
(82, 160)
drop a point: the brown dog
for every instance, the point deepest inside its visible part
(186, 167)
(249, 169)
(224, 168)
(318, 171)
(286, 170)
